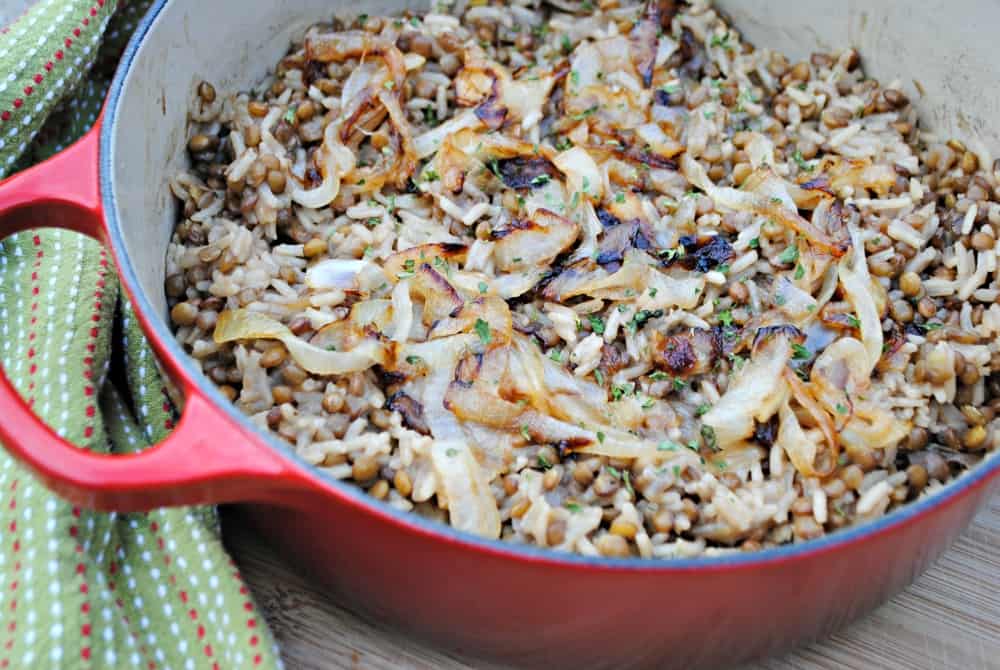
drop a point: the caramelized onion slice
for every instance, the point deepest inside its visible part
(243, 324)
(533, 243)
(766, 194)
(471, 505)
(754, 395)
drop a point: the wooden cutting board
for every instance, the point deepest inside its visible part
(950, 618)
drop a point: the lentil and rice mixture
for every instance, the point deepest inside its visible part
(601, 277)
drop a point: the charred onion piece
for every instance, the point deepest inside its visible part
(643, 40)
(705, 253)
(685, 354)
(525, 172)
(411, 410)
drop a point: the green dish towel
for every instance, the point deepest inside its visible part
(83, 589)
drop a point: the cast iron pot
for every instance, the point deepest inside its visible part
(522, 605)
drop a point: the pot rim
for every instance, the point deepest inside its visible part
(910, 513)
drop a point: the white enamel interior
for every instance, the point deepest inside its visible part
(945, 46)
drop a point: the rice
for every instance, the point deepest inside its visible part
(612, 282)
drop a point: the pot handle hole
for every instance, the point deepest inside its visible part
(207, 458)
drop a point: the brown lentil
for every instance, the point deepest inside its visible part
(281, 394)
(184, 314)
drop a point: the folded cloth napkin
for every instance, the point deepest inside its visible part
(84, 589)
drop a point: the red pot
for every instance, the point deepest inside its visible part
(527, 606)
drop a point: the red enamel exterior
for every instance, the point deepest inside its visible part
(528, 608)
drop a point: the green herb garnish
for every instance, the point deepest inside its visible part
(789, 255)
(483, 331)
(803, 164)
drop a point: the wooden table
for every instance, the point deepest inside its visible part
(950, 618)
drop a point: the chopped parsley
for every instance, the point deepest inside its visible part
(443, 265)
(409, 269)
(668, 446)
(526, 434)
(543, 462)
(652, 292)
(362, 19)
(540, 180)
(789, 255)
(841, 409)
(619, 391)
(679, 384)
(483, 288)
(669, 255)
(599, 376)
(430, 174)
(494, 167)
(600, 438)
(567, 45)
(572, 506)
(290, 115)
(754, 243)
(702, 409)
(574, 77)
(779, 300)
(619, 197)
(585, 113)
(721, 41)
(800, 353)
(800, 272)
(627, 478)
(803, 164)
(641, 317)
(388, 84)
(659, 376)
(931, 325)
(708, 434)
(414, 360)
(556, 355)
(853, 321)
(596, 324)
(483, 331)
(726, 318)
(451, 452)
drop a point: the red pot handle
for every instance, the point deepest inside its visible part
(208, 458)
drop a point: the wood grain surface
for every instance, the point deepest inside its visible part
(950, 618)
